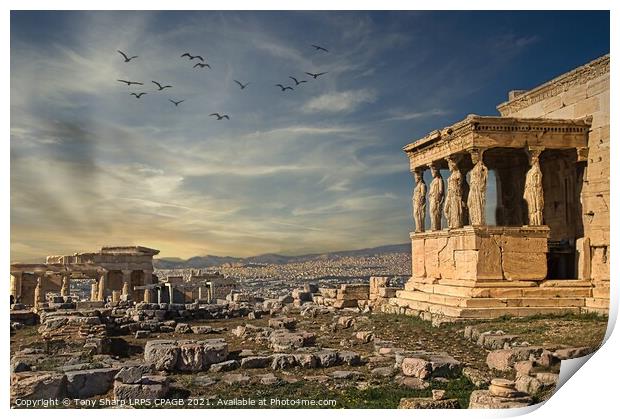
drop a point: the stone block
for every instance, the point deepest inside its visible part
(416, 367)
(88, 383)
(149, 388)
(38, 385)
(597, 86)
(524, 266)
(575, 94)
(418, 269)
(553, 104)
(587, 107)
(483, 399)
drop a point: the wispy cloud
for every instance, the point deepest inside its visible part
(407, 116)
(346, 101)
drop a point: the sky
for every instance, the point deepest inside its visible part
(316, 169)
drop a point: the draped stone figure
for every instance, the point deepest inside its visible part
(476, 199)
(435, 198)
(453, 208)
(64, 289)
(419, 201)
(533, 192)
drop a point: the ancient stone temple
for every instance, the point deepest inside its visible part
(521, 225)
(116, 271)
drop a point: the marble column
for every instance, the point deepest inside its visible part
(94, 292)
(16, 285)
(477, 197)
(147, 295)
(39, 297)
(66, 285)
(419, 200)
(126, 281)
(103, 286)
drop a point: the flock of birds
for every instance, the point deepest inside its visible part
(201, 65)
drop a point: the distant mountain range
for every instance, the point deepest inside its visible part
(273, 258)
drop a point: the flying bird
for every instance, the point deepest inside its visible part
(138, 95)
(241, 85)
(319, 48)
(284, 87)
(176, 103)
(159, 85)
(201, 65)
(315, 75)
(297, 82)
(127, 59)
(129, 83)
(191, 57)
(218, 116)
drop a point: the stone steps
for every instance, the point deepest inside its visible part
(481, 313)
(503, 292)
(491, 302)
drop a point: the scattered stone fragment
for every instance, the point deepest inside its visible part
(504, 359)
(88, 383)
(224, 366)
(365, 336)
(569, 353)
(428, 403)
(382, 372)
(327, 357)
(268, 379)
(306, 360)
(477, 377)
(150, 387)
(482, 399)
(283, 361)
(256, 362)
(182, 328)
(38, 385)
(201, 329)
(414, 383)
(232, 378)
(345, 375)
(439, 394)
(349, 358)
(132, 374)
(416, 367)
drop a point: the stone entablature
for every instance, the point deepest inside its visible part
(480, 254)
(555, 87)
(485, 132)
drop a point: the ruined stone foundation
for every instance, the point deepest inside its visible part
(485, 272)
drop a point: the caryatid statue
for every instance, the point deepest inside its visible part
(533, 191)
(477, 197)
(453, 208)
(436, 196)
(419, 201)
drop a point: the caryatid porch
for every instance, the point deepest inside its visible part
(463, 267)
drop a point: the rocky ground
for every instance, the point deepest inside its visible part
(349, 358)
